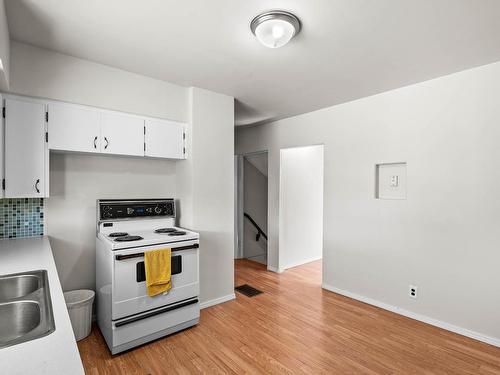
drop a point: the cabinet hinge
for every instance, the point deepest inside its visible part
(47, 137)
(144, 146)
(184, 150)
(184, 136)
(3, 112)
(144, 130)
(46, 116)
(3, 184)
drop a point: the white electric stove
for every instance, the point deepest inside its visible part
(126, 315)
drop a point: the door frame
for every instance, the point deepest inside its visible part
(281, 224)
(239, 200)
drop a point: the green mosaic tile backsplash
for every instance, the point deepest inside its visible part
(21, 217)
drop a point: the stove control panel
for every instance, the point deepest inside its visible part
(128, 209)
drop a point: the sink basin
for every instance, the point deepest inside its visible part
(18, 286)
(25, 307)
(18, 318)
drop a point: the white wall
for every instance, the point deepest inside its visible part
(301, 205)
(76, 181)
(255, 204)
(444, 237)
(205, 187)
(4, 48)
(46, 74)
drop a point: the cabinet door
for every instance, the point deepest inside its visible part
(122, 134)
(73, 128)
(25, 149)
(164, 139)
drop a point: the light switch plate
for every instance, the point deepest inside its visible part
(390, 181)
(394, 181)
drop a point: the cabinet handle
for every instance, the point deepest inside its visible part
(95, 142)
(107, 142)
(36, 186)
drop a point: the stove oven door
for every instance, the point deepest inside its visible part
(129, 286)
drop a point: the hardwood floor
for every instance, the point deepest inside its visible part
(296, 327)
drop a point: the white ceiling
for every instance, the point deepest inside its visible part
(347, 49)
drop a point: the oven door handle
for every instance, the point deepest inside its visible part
(140, 255)
(156, 312)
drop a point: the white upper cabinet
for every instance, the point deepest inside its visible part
(78, 128)
(122, 134)
(25, 149)
(32, 127)
(164, 139)
(73, 128)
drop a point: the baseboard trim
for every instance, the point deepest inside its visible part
(275, 269)
(301, 263)
(216, 301)
(422, 318)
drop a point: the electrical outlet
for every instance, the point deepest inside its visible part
(413, 291)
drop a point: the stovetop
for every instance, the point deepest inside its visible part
(146, 237)
(126, 238)
(131, 223)
(166, 230)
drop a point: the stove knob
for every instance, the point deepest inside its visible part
(158, 210)
(169, 209)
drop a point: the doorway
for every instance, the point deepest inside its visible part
(251, 208)
(301, 206)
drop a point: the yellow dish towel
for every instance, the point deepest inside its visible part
(158, 272)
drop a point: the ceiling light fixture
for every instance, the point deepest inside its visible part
(275, 28)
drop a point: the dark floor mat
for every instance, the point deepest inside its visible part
(247, 290)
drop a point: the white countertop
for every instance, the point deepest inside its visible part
(56, 353)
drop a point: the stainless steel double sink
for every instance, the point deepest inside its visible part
(25, 307)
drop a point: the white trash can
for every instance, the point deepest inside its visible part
(79, 304)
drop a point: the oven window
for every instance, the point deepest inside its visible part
(176, 267)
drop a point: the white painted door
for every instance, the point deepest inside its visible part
(122, 134)
(164, 139)
(25, 149)
(73, 128)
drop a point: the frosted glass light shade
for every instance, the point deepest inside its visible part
(274, 33)
(276, 28)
